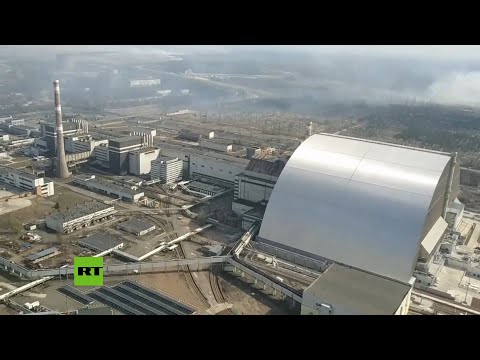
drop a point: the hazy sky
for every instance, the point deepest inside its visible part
(426, 51)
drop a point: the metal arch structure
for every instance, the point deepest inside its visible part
(357, 202)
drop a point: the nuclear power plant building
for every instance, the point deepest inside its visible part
(373, 206)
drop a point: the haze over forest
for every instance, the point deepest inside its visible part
(295, 78)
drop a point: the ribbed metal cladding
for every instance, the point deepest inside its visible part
(62, 168)
(356, 202)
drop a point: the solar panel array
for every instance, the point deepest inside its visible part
(75, 294)
(130, 298)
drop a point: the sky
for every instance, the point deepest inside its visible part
(453, 71)
(425, 51)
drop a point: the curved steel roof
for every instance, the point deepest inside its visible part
(356, 202)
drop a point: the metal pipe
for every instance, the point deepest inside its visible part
(62, 169)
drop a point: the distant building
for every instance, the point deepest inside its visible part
(26, 181)
(140, 161)
(216, 145)
(167, 170)
(137, 227)
(80, 216)
(145, 82)
(126, 193)
(15, 122)
(118, 150)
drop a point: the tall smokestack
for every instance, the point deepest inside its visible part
(62, 169)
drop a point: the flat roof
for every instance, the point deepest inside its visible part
(125, 141)
(208, 187)
(136, 225)
(67, 126)
(224, 157)
(114, 186)
(99, 242)
(165, 159)
(79, 211)
(42, 254)
(140, 151)
(358, 291)
(5, 170)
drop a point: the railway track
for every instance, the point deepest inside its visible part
(216, 288)
(192, 284)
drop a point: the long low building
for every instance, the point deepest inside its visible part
(43, 255)
(80, 216)
(130, 193)
(26, 181)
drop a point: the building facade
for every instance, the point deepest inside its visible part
(140, 161)
(49, 133)
(26, 181)
(82, 143)
(167, 170)
(118, 150)
(217, 168)
(80, 216)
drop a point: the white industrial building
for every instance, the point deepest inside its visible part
(378, 208)
(126, 193)
(167, 170)
(182, 153)
(216, 167)
(26, 181)
(216, 145)
(140, 161)
(80, 216)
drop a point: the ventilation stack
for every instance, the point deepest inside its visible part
(310, 128)
(62, 169)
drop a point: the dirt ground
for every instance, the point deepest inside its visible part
(249, 300)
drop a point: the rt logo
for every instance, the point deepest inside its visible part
(88, 271)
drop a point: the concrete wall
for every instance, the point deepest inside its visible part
(217, 168)
(215, 145)
(253, 189)
(140, 162)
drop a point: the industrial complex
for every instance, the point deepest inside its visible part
(194, 220)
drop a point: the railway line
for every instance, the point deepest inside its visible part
(217, 289)
(192, 284)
